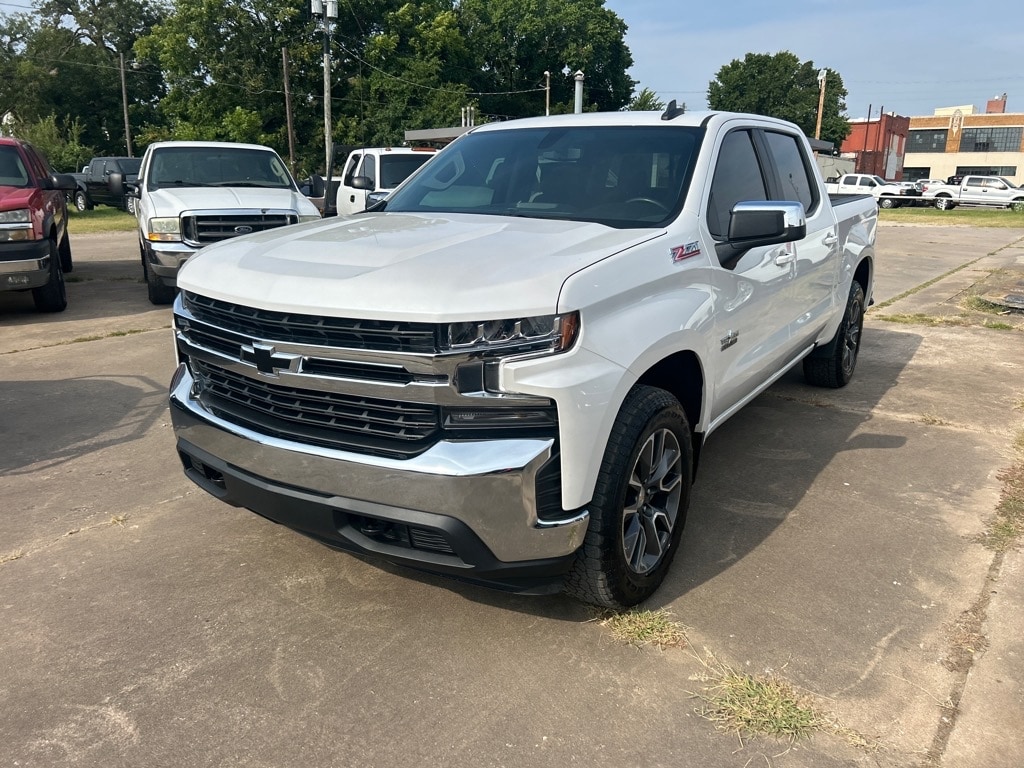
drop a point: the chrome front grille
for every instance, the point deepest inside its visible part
(204, 229)
(294, 328)
(367, 425)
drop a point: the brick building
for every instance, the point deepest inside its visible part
(959, 140)
(878, 146)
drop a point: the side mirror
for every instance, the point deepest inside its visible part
(753, 224)
(115, 183)
(131, 189)
(64, 181)
(362, 182)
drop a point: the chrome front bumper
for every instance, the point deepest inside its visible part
(480, 495)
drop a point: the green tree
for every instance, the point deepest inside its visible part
(646, 101)
(516, 41)
(59, 140)
(780, 85)
(85, 41)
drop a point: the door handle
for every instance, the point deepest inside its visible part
(784, 257)
(830, 239)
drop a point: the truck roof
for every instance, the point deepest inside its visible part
(692, 119)
(208, 145)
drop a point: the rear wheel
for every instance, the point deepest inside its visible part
(639, 505)
(129, 205)
(835, 365)
(53, 296)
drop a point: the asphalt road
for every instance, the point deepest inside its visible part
(831, 540)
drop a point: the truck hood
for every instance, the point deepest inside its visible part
(173, 201)
(407, 267)
(12, 198)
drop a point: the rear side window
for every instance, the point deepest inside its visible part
(793, 174)
(737, 178)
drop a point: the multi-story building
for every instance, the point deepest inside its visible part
(955, 141)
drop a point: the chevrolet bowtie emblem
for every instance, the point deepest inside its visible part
(266, 358)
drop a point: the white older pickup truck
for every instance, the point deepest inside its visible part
(888, 194)
(506, 371)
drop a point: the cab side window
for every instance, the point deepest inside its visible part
(737, 178)
(792, 167)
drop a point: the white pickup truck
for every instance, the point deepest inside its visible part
(506, 371)
(975, 190)
(193, 193)
(888, 194)
(372, 172)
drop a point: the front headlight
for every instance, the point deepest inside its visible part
(164, 229)
(554, 333)
(18, 216)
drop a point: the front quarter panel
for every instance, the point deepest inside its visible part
(637, 308)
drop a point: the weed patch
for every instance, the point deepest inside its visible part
(639, 628)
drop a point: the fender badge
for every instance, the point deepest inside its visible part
(681, 252)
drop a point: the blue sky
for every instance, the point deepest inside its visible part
(908, 56)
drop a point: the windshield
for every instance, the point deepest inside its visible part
(394, 169)
(623, 176)
(217, 167)
(13, 172)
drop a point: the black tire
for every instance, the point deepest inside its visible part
(159, 293)
(129, 205)
(834, 364)
(944, 203)
(64, 249)
(643, 488)
(53, 296)
(887, 202)
(82, 202)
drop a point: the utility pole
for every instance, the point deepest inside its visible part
(821, 102)
(327, 10)
(547, 93)
(124, 102)
(288, 111)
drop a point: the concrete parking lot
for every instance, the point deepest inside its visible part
(833, 540)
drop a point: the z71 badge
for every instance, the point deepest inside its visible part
(681, 252)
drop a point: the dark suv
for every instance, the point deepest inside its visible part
(34, 248)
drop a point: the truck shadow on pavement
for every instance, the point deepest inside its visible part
(758, 467)
(49, 423)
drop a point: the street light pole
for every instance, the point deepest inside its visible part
(124, 102)
(327, 10)
(821, 102)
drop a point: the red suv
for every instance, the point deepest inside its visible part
(34, 248)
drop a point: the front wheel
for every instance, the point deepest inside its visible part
(129, 205)
(887, 202)
(639, 505)
(834, 365)
(159, 294)
(53, 296)
(944, 204)
(82, 202)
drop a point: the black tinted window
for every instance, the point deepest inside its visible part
(624, 176)
(737, 178)
(793, 174)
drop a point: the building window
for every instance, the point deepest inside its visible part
(927, 141)
(915, 173)
(986, 170)
(991, 140)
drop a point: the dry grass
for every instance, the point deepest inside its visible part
(639, 628)
(763, 705)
